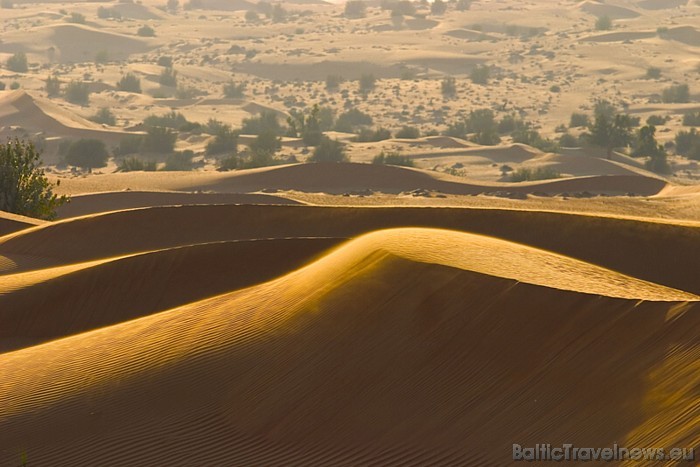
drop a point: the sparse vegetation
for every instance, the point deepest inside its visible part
(677, 94)
(134, 164)
(329, 150)
(129, 83)
(367, 83)
(24, 188)
(104, 116)
(392, 158)
(53, 86)
(653, 72)
(77, 92)
(579, 120)
(528, 175)
(691, 119)
(225, 141)
(168, 77)
(179, 161)
(18, 63)
(603, 23)
(87, 153)
(688, 143)
(408, 132)
(448, 86)
(234, 90)
(146, 31)
(159, 140)
(480, 74)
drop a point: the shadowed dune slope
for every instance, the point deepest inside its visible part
(10, 223)
(658, 252)
(343, 177)
(46, 304)
(373, 354)
(82, 205)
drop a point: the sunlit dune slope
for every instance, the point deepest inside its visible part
(382, 352)
(113, 201)
(659, 252)
(46, 304)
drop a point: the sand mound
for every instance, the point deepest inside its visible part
(10, 223)
(669, 258)
(35, 114)
(661, 4)
(47, 304)
(620, 36)
(348, 177)
(344, 362)
(604, 9)
(582, 165)
(685, 34)
(114, 201)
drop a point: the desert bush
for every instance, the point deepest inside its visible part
(355, 9)
(87, 153)
(146, 31)
(53, 86)
(228, 163)
(603, 23)
(653, 72)
(77, 92)
(166, 61)
(234, 90)
(480, 74)
(189, 92)
(333, 82)
(367, 83)
(18, 63)
(392, 158)
(179, 161)
(225, 141)
(510, 123)
(129, 83)
(676, 94)
(656, 120)
(603, 108)
(408, 132)
(448, 86)
(266, 121)
(266, 142)
(578, 120)
(534, 139)
(691, 119)
(159, 140)
(172, 119)
(610, 133)
(134, 164)
(329, 150)
(486, 138)
(306, 125)
(368, 135)
(168, 77)
(130, 144)
(645, 144)
(568, 140)
(104, 116)
(438, 7)
(539, 173)
(688, 143)
(24, 188)
(77, 18)
(347, 122)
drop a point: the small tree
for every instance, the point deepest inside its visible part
(408, 132)
(146, 31)
(87, 153)
(480, 74)
(18, 63)
(610, 134)
(78, 93)
(168, 77)
(129, 83)
(159, 140)
(604, 23)
(225, 141)
(449, 87)
(266, 142)
(329, 150)
(367, 83)
(24, 188)
(53, 86)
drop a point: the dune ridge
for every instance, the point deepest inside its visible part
(260, 369)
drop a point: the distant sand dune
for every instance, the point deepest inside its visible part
(686, 34)
(374, 354)
(669, 258)
(114, 201)
(620, 36)
(661, 4)
(604, 9)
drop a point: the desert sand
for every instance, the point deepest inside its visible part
(350, 313)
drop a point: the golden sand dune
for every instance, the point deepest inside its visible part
(379, 353)
(50, 303)
(114, 201)
(669, 257)
(19, 108)
(12, 223)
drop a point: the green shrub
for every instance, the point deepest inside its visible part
(24, 188)
(539, 173)
(77, 92)
(166, 61)
(266, 121)
(18, 63)
(568, 140)
(172, 119)
(688, 143)
(129, 83)
(368, 135)
(329, 150)
(87, 153)
(392, 158)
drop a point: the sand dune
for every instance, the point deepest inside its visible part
(605, 9)
(10, 223)
(661, 4)
(114, 201)
(340, 178)
(620, 36)
(50, 303)
(686, 34)
(19, 108)
(670, 250)
(253, 377)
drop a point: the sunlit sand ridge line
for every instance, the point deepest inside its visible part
(10, 223)
(668, 259)
(345, 360)
(42, 305)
